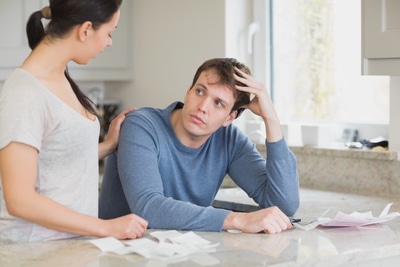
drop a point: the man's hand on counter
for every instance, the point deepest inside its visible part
(269, 220)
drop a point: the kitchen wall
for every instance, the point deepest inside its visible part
(170, 40)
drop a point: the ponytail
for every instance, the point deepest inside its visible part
(83, 99)
(34, 29)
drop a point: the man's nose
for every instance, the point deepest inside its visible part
(204, 104)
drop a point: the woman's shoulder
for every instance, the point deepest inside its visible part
(20, 80)
(20, 73)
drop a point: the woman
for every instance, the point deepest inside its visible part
(49, 148)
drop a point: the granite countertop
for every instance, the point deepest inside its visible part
(341, 151)
(375, 244)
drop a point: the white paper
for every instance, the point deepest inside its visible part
(171, 245)
(355, 219)
(140, 243)
(107, 244)
(141, 246)
(190, 238)
(163, 236)
(312, 224)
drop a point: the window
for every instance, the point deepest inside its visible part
(315, 66)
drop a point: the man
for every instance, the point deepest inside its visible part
(171, 162)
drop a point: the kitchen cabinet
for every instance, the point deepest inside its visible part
(113, 64)
(14, 46)
(380, 41)
(381, 37)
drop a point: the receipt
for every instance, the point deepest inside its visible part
(171, 245)
(354, 219)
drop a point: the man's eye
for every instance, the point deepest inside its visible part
(219, 104)
(199, 92)
(110, 36)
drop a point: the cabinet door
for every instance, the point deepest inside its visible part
(381, 37)
(14, 46)
(114, 64)
(381, 32)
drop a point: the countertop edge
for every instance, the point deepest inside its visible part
(341, 152)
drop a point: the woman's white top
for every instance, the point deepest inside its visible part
(67, 145)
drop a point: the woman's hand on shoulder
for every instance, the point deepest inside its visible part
(112, 139)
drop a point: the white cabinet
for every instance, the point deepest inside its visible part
(381, 53)
(14, 46)
(114, 64)
(381, 37)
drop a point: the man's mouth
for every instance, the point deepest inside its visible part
(197, 119)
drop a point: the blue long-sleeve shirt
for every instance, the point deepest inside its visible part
(153, 175)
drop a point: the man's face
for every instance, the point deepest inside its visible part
(207, 106)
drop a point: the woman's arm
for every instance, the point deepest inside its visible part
(110, 144)
(23, 201)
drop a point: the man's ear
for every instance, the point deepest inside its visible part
(84, 30)
(230, 118)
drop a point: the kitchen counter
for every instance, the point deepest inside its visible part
(377, 245)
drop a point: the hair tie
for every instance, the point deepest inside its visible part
(46, 12)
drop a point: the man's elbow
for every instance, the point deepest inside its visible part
(291, 208)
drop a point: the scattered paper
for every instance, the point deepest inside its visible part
(107, 244)
(190, 238)
(141, 246)
(312, 224)
(170, 245)
(355, 219)
(164, 236)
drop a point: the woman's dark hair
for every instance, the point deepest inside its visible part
(65, 14)
(224, 68)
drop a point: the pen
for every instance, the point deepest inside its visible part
(294, 220)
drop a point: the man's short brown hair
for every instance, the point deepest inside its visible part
(224, 68)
